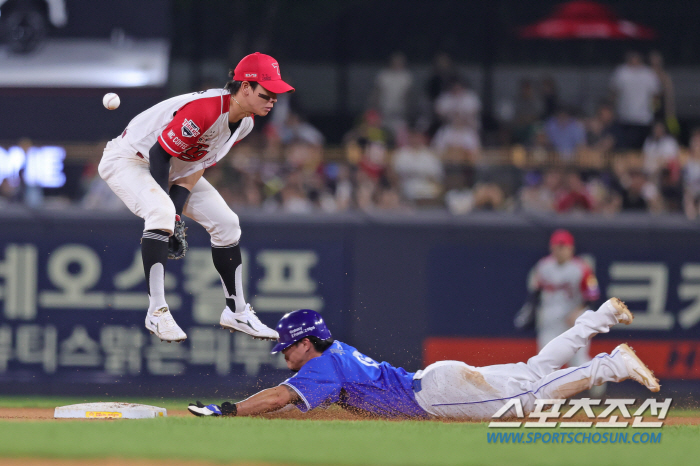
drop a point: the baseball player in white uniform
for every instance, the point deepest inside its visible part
(331, 372)
(155, 166)
(562, 287)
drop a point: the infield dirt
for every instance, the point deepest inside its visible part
(46, 414)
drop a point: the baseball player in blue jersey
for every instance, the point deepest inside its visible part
(331, 372)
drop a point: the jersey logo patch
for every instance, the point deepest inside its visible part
(189, 129)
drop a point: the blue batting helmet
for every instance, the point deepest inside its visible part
(300, 324)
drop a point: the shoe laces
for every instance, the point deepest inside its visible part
(166, 318)
(249, 310)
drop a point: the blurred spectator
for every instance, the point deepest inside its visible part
(566, 134)
(418, 169)
(388, 198)
(98, 195)
(459, 197)
(444, 73)
(459, 102)
(671, 190)
(637, 193)
(457, 143)
(691, 177)
(634, 86)
(541, 191)
(540, 147)
(391, 95)
(574, 196)
(527, 110)
(369, 132)
(340, 194)
(602, 132)
(665, 104)
(10, 192)
(661, 152)
(550, 96)
(488, 196)
(294, 201)
(295, 129)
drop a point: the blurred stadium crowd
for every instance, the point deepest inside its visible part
(422, 145)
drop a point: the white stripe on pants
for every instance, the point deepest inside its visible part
(454, 389)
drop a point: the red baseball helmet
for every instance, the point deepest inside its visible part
(262, 69)
(561, 237)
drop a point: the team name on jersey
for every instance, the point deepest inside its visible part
(176, 140)
(189, 129)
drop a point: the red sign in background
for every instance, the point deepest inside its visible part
(669, 359)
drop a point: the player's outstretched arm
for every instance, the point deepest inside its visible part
(268, 400)
(159, 161)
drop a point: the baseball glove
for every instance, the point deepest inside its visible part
(177, 244)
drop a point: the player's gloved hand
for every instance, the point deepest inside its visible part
(226, 409)
(177, 244)
(525, 318)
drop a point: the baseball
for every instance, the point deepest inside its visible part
(111, 101)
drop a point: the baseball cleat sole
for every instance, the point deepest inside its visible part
(234, 330)
(638, 370)
(169, 341)
(622, 312)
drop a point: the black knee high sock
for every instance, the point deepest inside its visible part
(227, 260)
(154, 252)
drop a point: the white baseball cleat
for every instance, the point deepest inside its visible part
(162, 324)
(247, 322)
(637, 369)
(619, 310)
(198, 409)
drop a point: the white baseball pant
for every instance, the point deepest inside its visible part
(551, 329)
(129, 176)
(453, 389)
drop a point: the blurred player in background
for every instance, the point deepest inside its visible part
(561, 288)
(331, 372)
(155, 166)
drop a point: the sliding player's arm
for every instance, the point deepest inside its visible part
(268, 400)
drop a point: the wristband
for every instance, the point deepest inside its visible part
(228, 409)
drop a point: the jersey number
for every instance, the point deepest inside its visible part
(366, 360)
(194, 153)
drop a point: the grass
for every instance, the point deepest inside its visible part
(234, 440)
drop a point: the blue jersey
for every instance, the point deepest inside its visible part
(345, 376)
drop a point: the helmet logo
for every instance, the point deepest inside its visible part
(300, 330)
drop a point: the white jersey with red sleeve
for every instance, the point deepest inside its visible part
(193, 128)
(565, 287)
